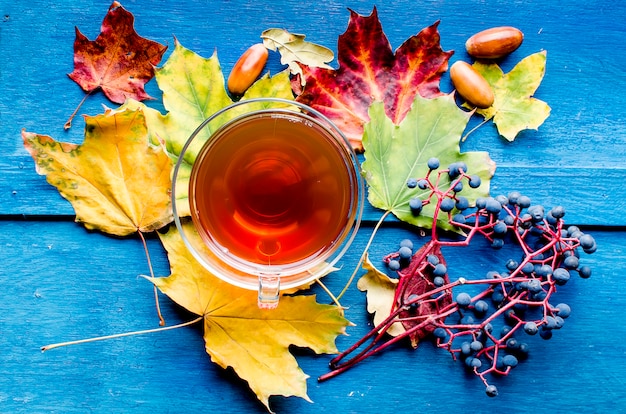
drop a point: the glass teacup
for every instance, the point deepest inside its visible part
(275, 195)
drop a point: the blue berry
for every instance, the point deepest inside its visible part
(576, 233)
(440, 269)
(422, 184)
(531, 328)
(510, 361)
(512, 344)
(563, 310)
(481, 307)
(550, 322)
(502, 199)
(393, 265)
(511, 264)
(415, 204)
(447, 204)
(544, 270)
(491, 390)
(438, 281)
(558, 212)
(493, 206)
(474, 181)
(406, 243)
(463, 299)
(528, 268)
(467, 320)
(584, 272)
(536, 213)
(500, 228)
(476, 346)
(545, 333)
(405, 253)
(587, 241)
(433, 163)
(411, 183)
(473, 362)
(440, 333)
(523, 201)
(571, 262)
(534, 286)
(513, 197)
(432, 259)
(523, 350)
(559, 322)
(561, 276)
(571, 230)
(462, 203)
(497, 297)
(458, 187)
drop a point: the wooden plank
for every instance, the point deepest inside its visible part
(576, 158)
(62, 282)
(585, 193)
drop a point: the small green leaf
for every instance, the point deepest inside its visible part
(395, 153)
(514, 109)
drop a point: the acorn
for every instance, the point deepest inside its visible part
(471, 85)
(494, 43)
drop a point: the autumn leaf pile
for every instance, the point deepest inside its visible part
(119, 179)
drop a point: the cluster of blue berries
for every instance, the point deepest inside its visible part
(520, 294)
(481, 321)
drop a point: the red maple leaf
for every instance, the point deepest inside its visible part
(370, 71)
(119, 61)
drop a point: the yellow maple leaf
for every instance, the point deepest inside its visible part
(116, 181)
(380, 295)
(254, 342)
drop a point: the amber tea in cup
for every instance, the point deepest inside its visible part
(275, 196)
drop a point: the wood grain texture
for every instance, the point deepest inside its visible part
(580, 145)
(61, 282)
(66, 283)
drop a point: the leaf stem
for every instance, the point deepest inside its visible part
(367, 247)
(156, 292)
(102, 338)
(329, 293)
(68, 124)
(475, 128)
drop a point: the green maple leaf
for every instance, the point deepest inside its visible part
(194, 89)
(395, 153)
(514, 109)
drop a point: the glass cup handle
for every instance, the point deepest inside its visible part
(269, 291)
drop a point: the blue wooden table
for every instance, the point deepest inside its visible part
(62, 282)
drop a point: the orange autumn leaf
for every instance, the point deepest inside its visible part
(116, 181)
(119, 61)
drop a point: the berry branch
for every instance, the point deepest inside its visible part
(519, 297)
